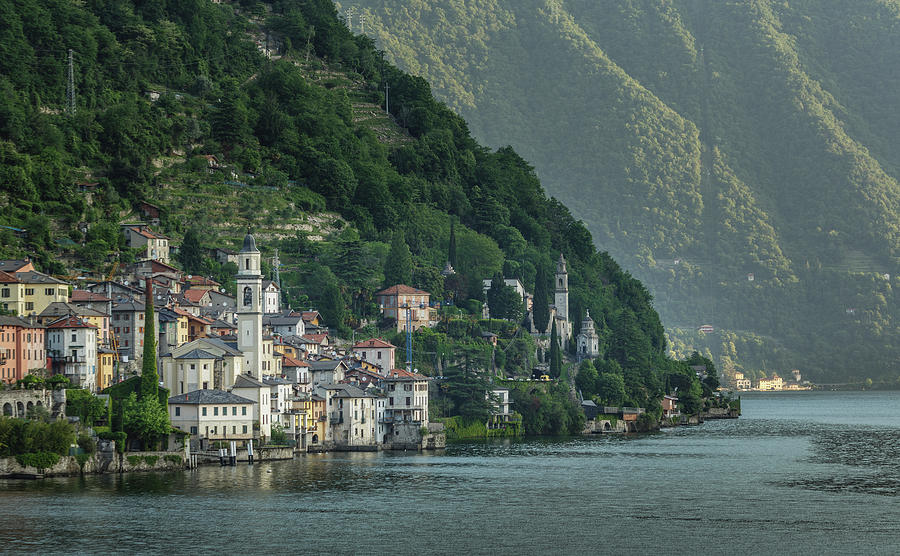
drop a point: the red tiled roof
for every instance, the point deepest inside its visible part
(308, 315)
(85, 295)
(401, 374)
(202, 281)
(7, 278)
(373, 343)
(315, 338)
(181, 312)
(402, 289)
(194, 296)
(70, 322)
(291, 362)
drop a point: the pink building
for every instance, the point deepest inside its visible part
(21, 348)
(377, 352)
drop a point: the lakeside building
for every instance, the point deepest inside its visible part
(22, 348)
(212, 415)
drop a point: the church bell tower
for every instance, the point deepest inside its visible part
(249, 307)
(561, 299)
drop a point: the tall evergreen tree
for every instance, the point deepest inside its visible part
(555, 355)
(451, 251)
(190, 255)
(149, 373)
(398, 268)
(541, 304)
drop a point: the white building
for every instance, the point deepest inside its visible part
(271, 298)
(561, 300)
(225, 365)
(248, 387)
(352, 415)
(377, 352)
(588, 340)
(72, 345)
(212, 415)
(500, 413)
(407, 395)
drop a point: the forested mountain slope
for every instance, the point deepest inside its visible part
(229, 115)
(739, 157)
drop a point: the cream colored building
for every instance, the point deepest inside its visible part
(212, 415)
(30, 292)
(177, 374)
(774, 383)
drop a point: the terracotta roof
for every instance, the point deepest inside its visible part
(7, 278)
(70, 322)
(373, 343)
(181, 312)
(202, 281)
(403, 374)
(291, 362)
(308, 315)
(88, 296)
(194, 296)
(314, 338)
(402, 289)
(13, 265)
(146, 232)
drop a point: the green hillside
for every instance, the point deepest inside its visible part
(272, 116)
(739, 157)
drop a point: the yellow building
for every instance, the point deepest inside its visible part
(105, 367)
(30, 292)
(774, 383)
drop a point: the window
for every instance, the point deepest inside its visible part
(193, 430)
(379, 355)
(224, 411)
(206, 386)
(193, 366)
(233, 429)
(29, 306)
(244, 412)
(392, 401)
(4, 292)
(127, 329)
(407, 400)
(234, 410)
(74, 337)
(29, 291)
(244, 427)
(48, 291)
(203, 411)
(216, 411)
(177, 411)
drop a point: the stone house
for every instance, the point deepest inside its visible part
(377, 352)
(402, 301)
(212, 415)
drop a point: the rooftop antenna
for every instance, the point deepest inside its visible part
(70, 86)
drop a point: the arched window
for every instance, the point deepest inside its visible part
(248, 296)
(247, 263)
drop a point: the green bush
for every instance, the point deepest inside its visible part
(119, 437)
(173, 458)
(151, 460)
(40, 460)
(134, 460)
(86, 443)
(82, 459)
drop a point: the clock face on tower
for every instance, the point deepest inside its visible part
(248, 296)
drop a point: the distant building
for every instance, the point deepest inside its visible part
(398, 301)
(774, 383)
(588, 341)
(212, 415)
(377, 352)
(22, 344)
(155, 245)
(72, 346)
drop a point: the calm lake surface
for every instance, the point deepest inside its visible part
(806, 473)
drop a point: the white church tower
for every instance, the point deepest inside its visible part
(588, 340)
(249, 307)
(561, 299)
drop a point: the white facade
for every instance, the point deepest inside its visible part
(73, 344)
(376, 351)
(177, 374)
(561, 299)
(588, 340)
(407, 395)
(248, 387)
(249, 312)
(212, 414)
(272, 299)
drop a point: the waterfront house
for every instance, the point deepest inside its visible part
(670, 406)
(248, 387)
(500, 413)
(105, 368)
(72, 346)
(22, 345)
(351, 416)
(407, 394)
(211, 415)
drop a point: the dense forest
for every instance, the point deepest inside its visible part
(272, 116)
(738, 157)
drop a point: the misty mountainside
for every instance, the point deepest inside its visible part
(738, 157)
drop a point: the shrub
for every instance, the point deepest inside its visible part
(134, 460)
(151, 460)
(40, 460)
(118, 437)
(173, 458)
(82, 459)
(86, 443)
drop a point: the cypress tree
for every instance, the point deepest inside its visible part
(149, 374)
(451, 252)
(555, 355)
(541, 304)
(398, 268)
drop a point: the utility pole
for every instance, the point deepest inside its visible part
(362, 23)
(276, 263)
(387, 98)
(351, 11)
(70, 86)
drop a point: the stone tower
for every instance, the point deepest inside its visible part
(561, 299)
(249, 307)
(588, 340)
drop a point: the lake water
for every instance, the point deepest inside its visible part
(805, 473)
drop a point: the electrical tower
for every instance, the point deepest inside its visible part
(70, 86)
(276, 264)
(351, 11)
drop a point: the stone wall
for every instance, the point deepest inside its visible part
(101, 462)
(17, 401)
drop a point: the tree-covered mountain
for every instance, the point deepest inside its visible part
(229, 115)
(738, 156)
